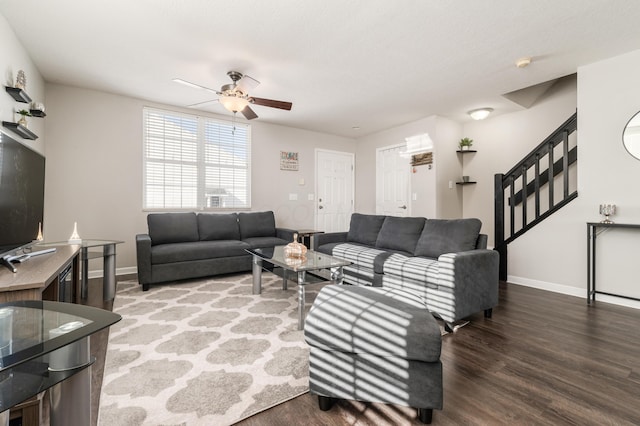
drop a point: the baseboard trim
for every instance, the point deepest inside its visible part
(119, 271)
(571, 291)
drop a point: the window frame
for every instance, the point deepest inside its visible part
(200, 161)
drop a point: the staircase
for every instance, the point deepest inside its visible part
(542, 183)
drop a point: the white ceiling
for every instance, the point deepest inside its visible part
(373, 64)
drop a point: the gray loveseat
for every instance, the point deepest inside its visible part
(446, 262)
(189, 245)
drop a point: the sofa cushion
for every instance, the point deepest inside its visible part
(400, 233)
(362, 256)
(264, 242)
(165, 228)
(257, 224)
(218, 226)
(199, 250)
(364, 228)
(448, 236)
(420, 269)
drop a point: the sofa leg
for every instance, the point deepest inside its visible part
(488, 312)
(425, 415)
(325, 402)
(145, 287)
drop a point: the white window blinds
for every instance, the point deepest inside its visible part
(193, 162)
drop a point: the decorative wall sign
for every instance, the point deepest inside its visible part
(288, 160)
(421, 159)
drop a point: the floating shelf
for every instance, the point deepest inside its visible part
(466, 183)
(37, 113)
(20, 130)
(18, 94)
(465, 151)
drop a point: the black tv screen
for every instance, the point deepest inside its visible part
(21, 193)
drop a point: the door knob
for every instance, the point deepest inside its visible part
(320, 207)
(403, 207)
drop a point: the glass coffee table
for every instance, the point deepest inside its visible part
(313, 262)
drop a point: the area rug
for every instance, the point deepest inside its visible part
(204, 352)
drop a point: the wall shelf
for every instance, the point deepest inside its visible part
(37, 113)
(20, 130)
(21, 96)
(466, 183)
(465, 151)
(18, 94)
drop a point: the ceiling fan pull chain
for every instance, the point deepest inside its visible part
(233, 122)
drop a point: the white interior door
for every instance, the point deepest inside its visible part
(334, 180)
(393, 182)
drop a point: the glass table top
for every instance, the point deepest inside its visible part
(82, 243)
(29, 329)
(311, 262)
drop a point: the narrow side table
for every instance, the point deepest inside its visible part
(108, 254)
(307, 236)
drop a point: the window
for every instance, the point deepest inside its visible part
(193, 162)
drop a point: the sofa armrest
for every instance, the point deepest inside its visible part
(472, 277)
(143, 254)
(327, 238)
(285, 233)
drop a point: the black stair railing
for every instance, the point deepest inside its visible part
(526, 194)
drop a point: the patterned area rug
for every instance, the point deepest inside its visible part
(204, 352)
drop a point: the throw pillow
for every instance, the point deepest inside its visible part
(441, 236)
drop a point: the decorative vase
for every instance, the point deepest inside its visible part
(23, 121)
(295, 249)
(21, 80)
(465, 179)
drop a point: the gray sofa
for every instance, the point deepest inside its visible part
(188, 245)
(444, 261)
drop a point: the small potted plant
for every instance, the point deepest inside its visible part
(23, 120)
(465, 143)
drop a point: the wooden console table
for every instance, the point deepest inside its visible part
(39, 277)
(592, 233)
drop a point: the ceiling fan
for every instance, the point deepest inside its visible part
(235, 96)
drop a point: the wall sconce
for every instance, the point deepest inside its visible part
(480, 113)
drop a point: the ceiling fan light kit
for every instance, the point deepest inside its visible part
(480, 113)
(234, 103)
(235, 96)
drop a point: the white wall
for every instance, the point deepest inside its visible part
(13, 59)
(504, 140)
(94, 168)
(608, 96)
(445, 134)
(553, 255)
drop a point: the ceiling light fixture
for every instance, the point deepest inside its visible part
(234, 102)
(480, 113)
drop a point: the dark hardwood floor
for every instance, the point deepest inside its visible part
(544, 358)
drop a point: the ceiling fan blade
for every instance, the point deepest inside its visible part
(194, 85)
(202, 103)
(246, 84)
(271, 103)
(248, 113)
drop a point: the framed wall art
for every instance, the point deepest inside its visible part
(288, 160)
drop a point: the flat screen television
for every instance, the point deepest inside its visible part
(21, 194)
